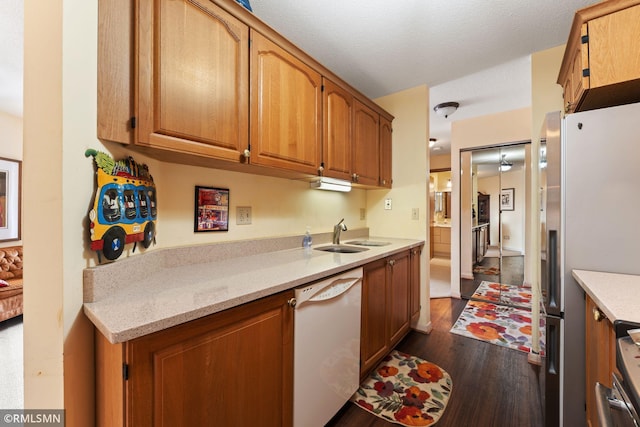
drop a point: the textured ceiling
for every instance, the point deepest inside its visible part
(381, 46)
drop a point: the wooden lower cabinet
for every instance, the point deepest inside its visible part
(600, 355)
(231, 368)
(385, 308)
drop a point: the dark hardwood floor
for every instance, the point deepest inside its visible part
(512, 273)
(492, 386)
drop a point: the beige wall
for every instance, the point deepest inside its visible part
(410, 174)
(494, 129)
(60, 124)
(10, 147)
(442, 161)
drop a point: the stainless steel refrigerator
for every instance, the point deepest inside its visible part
(590, 220)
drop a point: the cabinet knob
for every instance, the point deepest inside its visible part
(598, 315)
(392, 262)
(292, 302)
(568, 107)
(320, 170)
(354, 177)
(246, 153)
(384, 182)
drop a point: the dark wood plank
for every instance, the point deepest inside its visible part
(492, 385)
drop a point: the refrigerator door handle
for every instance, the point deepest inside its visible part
(553, 271)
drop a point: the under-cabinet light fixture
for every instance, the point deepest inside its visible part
(331, 184)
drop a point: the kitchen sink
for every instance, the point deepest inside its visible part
(343, 249)
(368, 243)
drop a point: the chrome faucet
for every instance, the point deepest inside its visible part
(337, 229)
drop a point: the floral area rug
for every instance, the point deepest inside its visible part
(488, 271)
(496, 324)
(519, 296)
(405, 390)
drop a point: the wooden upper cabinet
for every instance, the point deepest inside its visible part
(192, 77)
(337, 136)
(286, 109)
(601, 65)
(385, 153)
(366, 145)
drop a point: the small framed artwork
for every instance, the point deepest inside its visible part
(9, 200)
(212, 209)
(507, 198)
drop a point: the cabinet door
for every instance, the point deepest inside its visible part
(613, 47)
(338, 121)
(192, 79)
(366, 145)
(385, 153)
(374, 342)
(415, 284)
(231, 369)
(286, 109)
(399, 270)
(600, 355)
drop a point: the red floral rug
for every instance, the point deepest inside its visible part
(518, 296)
(490, 271)
(497, 324)
(405, 390)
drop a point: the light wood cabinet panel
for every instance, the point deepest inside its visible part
(600, 355)
(415, 284)
(204, 372)
(374, 340)
(399, 283)
(386, 305)
(601, 67)
(192, 79)
(286, 109)
(338, 124)
(386, 176)
(366, 145)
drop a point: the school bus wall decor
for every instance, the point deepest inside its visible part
(124, 208)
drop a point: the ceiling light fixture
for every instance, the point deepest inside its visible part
(504, 165)
(446, 109)
(331, 184)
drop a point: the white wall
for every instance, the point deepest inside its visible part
(410, 174)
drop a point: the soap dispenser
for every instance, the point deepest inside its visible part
(306, 240)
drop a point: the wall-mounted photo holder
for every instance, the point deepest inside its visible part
(212, 209)
(9, 200)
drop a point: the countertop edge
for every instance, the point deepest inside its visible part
(610, 293)
(107, 315)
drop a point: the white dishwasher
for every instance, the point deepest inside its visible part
(326, 347)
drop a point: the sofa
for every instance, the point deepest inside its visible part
(10, 282)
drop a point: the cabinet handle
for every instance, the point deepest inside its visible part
(568, 107)
(354, 177)
(292, 302)
(392, 262)
(384, 182)
(598, 315)
(320, 170)
(246, 153)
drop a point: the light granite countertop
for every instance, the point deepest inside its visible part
(146, 293)
(615, 294)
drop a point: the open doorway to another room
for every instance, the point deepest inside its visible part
(440, 232)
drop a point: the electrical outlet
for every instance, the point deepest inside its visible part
(363, 213)
(387, 204)
(415, 213)
(243, 215)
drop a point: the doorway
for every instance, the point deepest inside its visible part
(494, 206)
(440, 233)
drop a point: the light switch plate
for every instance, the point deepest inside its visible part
(387, 204)
(243, 215)
(415, 213)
